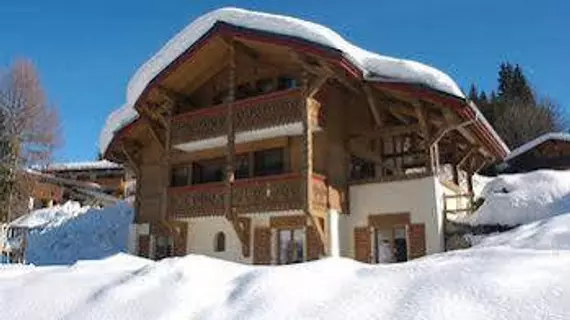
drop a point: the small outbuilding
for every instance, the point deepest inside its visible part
(549, 151)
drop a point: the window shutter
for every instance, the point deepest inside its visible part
(314, 246)
(144, 246)
(416, 240)
(362, 244)
(262, 245)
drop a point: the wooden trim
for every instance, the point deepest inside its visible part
(379, 221)
(288, 222)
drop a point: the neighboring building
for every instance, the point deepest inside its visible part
(549, 151)
(270, 140)
(111, 177)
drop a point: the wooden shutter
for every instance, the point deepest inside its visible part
(314, 246)
(362, 244)
(262, 245)
(416, 240)
(144, 246)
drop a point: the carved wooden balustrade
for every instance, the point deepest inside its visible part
(196, 201)
(262, 194)
(270, 110)
(265, 194)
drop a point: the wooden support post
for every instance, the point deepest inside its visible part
(230, 147)
(307, 163)
(166, 164)
(229, 210)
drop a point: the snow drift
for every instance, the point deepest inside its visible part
(68, 233)
(523, 198)
(485, 283)
(374, 67)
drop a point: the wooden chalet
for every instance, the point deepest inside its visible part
(264, 148)
(549, 151)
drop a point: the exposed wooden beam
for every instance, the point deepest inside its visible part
(386, 131)
(153, 132)
(469, 153)
(453, 120)
(422, 117)
(314, 87)
(378, 117)
(130, 160)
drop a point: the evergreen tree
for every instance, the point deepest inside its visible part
(514, 110)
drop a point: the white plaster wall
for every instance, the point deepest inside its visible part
(202, 232)
(201, 238)
(422, 198)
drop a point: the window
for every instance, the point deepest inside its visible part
(242, 166)
(163, 247)
(180, 176)
(361, 169)
(265, 85)
(291, 245)
(208, 171)
(220, 242)
(284, 83)
(269, 162)
(390, 245)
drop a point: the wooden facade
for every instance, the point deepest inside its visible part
(549, 154)
(243, 125)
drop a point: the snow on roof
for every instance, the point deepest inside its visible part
(85, 165)
(374, 67)
(53, 216)
(561, 136)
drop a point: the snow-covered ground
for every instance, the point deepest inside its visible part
(482, 283)
(67, 233)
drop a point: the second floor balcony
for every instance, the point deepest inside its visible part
(275, 114)
(254, 195)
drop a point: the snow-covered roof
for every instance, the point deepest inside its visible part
(560, 136)
(85, 165)
(374, 67)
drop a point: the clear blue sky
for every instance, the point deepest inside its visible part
(86, 51)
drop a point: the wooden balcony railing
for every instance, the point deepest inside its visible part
(274, 109)
(196, 200)
(266, 194)
(255, 195)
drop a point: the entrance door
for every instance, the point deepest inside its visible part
(390, 245)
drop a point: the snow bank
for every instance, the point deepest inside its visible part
(487, 283)
(375, 67)
(53, 216)
(68, 233)
(547, 234)
(523, 198)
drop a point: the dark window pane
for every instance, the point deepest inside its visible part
(208, 171)
(361, 169)
(242, 166)
(179, 176)
(284, 83)
(268, 162)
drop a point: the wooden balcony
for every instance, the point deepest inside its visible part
(255, 195)
(270, 110)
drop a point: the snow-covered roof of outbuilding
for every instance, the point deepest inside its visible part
(84, 165)
(374, 67)
(560, 136)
